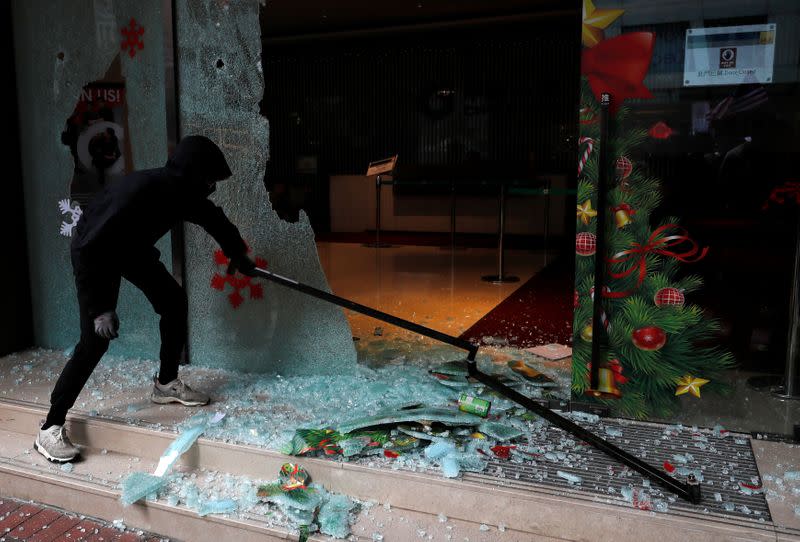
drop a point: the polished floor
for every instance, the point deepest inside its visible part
(438, 288)
(442, 289)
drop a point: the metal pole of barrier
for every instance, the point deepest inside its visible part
(501, 277)
(377, 244)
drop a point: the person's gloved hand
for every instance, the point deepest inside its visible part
(244, 265)
(107, 325)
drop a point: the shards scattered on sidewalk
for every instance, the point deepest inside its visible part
(139, 485)
(309, 505)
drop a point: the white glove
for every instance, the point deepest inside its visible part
(107, 325)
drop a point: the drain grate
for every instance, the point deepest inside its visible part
(723, 460)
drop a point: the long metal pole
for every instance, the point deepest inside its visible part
(690, 491)
(598, 330)
(471, 349)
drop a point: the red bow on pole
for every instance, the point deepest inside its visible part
(658, 243)
(619, 66)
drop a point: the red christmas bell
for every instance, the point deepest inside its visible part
(650, 338)
(669, 297)
(623, 167)
(585, 243)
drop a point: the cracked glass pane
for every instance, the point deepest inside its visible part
(99, 64)
(244, 324)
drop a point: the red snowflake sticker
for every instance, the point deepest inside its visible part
(237, 281)
(132, 42)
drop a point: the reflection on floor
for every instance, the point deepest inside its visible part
(438, 288)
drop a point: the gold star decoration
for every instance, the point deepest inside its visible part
(594, 21)
(691, 385)
(585, 212)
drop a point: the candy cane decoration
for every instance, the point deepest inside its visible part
(603, 316)
(585, 157)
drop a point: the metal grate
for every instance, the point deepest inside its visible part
(656, 444)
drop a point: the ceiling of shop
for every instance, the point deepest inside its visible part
(282, 18)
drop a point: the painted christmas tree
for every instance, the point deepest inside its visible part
(657, 339)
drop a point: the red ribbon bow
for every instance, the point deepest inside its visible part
(618, 66)
(616, 368)
(658, 243)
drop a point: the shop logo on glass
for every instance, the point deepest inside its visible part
(727, 57)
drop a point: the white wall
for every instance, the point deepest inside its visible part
(352, 201)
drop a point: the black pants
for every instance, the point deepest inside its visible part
(169, 301)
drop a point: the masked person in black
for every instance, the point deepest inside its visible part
(115, 239)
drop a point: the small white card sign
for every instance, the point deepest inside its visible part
(729, 55)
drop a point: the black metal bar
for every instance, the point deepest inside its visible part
(546, 218)
(471, 349)
(598, 329)
(691, 492)
(172, 111)
(501, 276)
(452, 214)
(378, 244)
(378, 211)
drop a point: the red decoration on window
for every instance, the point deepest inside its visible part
(789, 190)
(660, 130)
(132, 42)
(618, 66)
(237, 281)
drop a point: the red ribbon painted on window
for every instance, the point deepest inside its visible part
(658, 243)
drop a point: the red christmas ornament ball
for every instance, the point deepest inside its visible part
(623, 167)
(669, 297)
(585, 243)
(649, 338)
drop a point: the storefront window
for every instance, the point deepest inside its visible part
(702, 208)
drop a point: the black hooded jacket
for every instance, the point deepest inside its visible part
(121, 224)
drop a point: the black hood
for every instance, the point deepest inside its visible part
(199, 158)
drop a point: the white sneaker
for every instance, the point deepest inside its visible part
(177, 392)
(54, 444)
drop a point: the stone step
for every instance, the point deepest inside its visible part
(530, 514)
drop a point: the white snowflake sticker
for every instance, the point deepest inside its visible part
(73, 210)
